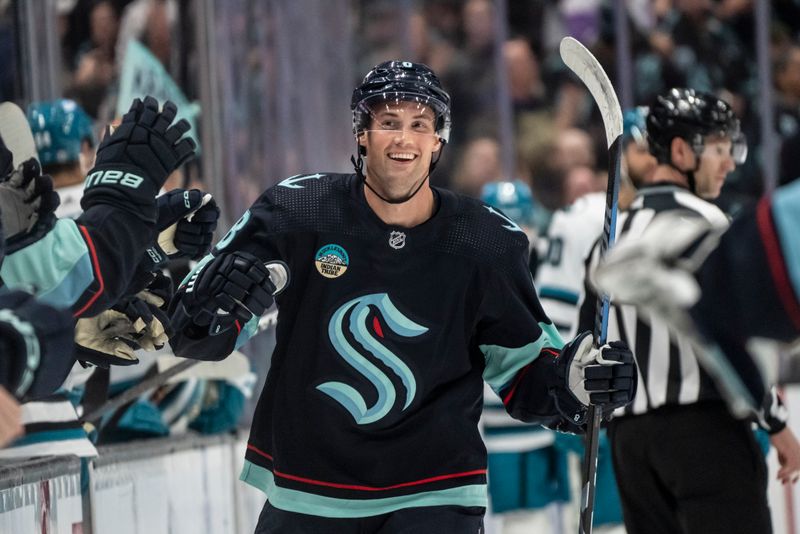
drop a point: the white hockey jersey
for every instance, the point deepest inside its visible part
(559, 278)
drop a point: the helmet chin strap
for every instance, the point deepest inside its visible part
(359, 166)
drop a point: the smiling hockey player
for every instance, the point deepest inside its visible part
(403, 299)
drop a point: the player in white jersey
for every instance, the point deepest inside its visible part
(574, 229)
(560, 274)
(527, 474)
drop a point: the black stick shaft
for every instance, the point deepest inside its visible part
(145, 385)
(595, 416)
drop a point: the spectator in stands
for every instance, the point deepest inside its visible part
(150, 22)
(533, 115)
(479, 164)
(573, 148)
(473, 76)
(97, 66)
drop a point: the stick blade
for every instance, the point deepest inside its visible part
(16, 133)
(586, 67)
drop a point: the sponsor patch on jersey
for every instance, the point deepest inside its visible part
(332, 261)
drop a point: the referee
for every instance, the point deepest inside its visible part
(684, 465)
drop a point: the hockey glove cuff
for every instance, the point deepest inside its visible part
(37, 342)
(135, 160)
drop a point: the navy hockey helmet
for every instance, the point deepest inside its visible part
(514, 198)
(401, 81)
(59, 127)
(692, 115)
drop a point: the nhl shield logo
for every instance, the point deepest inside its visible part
(397, 240)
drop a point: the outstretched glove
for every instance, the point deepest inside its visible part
(186, 223)
(135, 322)
(27, 205)
(656, 270)
(135, 160)
(604, 377)
(231, 287)
(36, 345)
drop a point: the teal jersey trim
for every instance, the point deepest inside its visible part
(561, 295)
(57, 267)
(786, 213)
(503, 363)
(318, 505)
(49, 436)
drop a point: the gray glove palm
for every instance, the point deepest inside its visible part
(27, 204)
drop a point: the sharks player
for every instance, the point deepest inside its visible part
(403, 298)
(65, 142)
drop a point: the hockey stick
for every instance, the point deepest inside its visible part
(16, 133)
(591, 73)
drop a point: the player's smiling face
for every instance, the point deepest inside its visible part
(400, 143)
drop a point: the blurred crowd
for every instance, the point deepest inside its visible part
(559, 145)
(499, 60)
(518, 113)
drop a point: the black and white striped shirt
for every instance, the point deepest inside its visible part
(669, 372)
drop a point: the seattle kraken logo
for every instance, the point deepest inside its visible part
(346, 395)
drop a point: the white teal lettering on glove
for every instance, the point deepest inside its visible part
(111, 177)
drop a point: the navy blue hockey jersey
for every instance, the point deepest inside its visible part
(384, 337)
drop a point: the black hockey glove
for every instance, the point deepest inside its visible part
(135, 160)
(27, 205)
(605, 377)
(231, 287)
(36, 345)
(186, 223)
